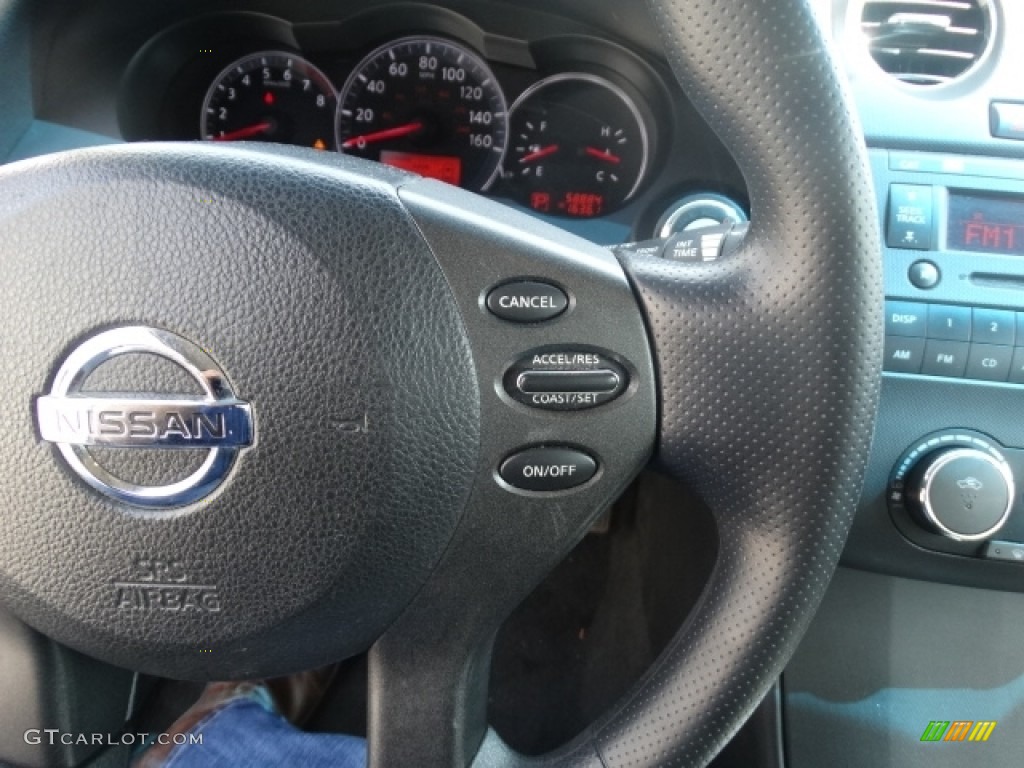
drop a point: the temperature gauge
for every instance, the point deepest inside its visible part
(578, 146)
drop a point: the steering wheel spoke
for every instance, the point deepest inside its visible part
(428, 692)
(429, 671)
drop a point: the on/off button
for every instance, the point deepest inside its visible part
(548, 468)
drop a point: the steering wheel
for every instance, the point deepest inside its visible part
(260, 413)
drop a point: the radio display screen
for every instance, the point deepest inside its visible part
(985, 223)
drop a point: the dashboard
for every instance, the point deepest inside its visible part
(568, 110)
(549, 113)
(566, 126)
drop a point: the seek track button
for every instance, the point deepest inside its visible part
(527, 301)
(910, 217)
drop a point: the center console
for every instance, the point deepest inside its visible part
(942, 497)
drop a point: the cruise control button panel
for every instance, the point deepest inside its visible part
(548, 468)
(527, 301)
(565, 379)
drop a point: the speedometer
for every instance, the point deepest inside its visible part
(426, 105)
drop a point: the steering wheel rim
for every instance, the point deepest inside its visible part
(776, 448)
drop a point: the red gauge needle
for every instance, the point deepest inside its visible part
(550, 149)
(244, 133)
(603, 154)
(388, 133)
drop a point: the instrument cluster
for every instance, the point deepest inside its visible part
(566, 126)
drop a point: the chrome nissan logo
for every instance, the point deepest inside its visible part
(216, 420)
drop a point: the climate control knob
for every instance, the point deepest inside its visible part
(963, 493)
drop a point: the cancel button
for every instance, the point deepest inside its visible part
(527, 301)
(547, 469)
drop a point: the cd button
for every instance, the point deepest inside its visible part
(989, 362)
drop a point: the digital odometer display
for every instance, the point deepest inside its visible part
(446, 169)
(984, 223)
(423, 97)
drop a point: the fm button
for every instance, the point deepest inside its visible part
(527, 301)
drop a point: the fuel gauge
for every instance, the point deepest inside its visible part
(578, 146)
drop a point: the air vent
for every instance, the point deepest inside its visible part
(927, 42)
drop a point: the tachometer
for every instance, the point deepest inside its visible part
(426, 105)
(270, 96)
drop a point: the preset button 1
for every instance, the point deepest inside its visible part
(949, 322)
